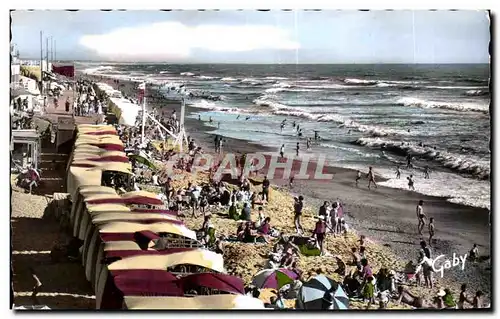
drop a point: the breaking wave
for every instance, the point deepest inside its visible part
(410, 101)
(462, 164)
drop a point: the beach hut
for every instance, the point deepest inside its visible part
(126, 231)
(83, 216)
(142, 199)
(138, 283)
(116, 250)
(183, 263)
(155, 211)
(219, 302)
(212, 283)
(85, 191)
(201, 259)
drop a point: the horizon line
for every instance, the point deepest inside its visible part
(240, 63)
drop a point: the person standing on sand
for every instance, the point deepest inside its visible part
(282, 150)
(463, 298)
(299, 205)
(410, 183)
(297, 148)
(265, 189)
(426, 172)
(371, 178)
(398, 172)
(420, 216)
(66, 105)
(431, 230)
(216, 142)
(358, 177)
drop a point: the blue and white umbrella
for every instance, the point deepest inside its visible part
(322, 293)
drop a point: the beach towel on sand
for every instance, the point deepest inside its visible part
(307, 251)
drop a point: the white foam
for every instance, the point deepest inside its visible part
(204, 77)
(282, 109)
(275, 78)
(465, 164)
(187, 73)
(204, 104)
(98, 69)
(360, 81)
(464, 106)
(228, 79)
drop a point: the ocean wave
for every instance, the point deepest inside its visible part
(187, 73)
(164, 72)
(282, 109)
(253, 81)
(228, 79)
(275, 78)
(360, 81)
(462, 164)
(350, 150)
(204, 104)
(476, 93)
(205, 77)
(98, 69)
(474, 107)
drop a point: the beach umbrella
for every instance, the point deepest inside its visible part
(143, 159)
(274, 278)
(322, 293)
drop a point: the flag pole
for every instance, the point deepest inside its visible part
(143, 114)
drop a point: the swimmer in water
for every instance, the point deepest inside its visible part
(199, 117)
(398, 172)
(294, 124)
(308, 143)
(238, 117)
(282, 125)
(218, 124)
(410, 183)
(316, 136)
(298, 127)
(247, 118)
(299, 133)
(210, 120)
(408, 161)
(358, 177)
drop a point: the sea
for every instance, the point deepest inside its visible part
(366, 115)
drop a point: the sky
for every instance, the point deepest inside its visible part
(229, 36)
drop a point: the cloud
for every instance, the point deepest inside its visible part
(174, 40)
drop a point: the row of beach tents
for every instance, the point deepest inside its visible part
(136, 253)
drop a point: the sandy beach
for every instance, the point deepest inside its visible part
(385, 215)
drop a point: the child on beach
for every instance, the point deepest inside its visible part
(410, 183)
(358, 177)
(398, 172)
(431, 230)
(371, 177)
